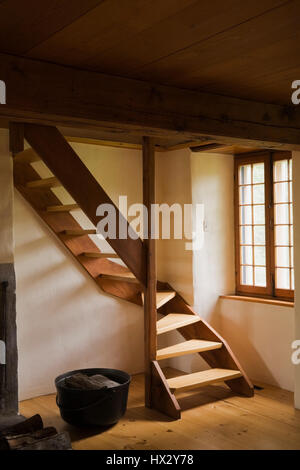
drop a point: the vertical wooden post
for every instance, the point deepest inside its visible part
(150, 313)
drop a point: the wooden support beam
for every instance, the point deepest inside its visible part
(68, 168)
(150, 313)
(89, 99)
(204, 148)
(16, 137)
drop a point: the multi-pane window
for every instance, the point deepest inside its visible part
(283, 224)
(252, 224)
(264, 230)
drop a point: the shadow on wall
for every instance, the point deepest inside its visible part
(64, 320)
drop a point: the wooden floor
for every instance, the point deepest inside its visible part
(213, 419)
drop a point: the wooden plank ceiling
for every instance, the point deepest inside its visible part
(241, 49)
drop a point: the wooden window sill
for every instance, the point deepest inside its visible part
(243, 298)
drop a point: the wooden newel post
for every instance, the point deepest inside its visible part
(149, 242)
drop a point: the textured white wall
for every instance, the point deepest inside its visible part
(64, 320)
(261, 337)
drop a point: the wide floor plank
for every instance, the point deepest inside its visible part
(213, 418)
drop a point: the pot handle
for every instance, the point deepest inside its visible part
(101, 400)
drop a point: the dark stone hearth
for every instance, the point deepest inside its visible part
(9, 371)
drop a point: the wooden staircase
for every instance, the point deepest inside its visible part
(135, 282)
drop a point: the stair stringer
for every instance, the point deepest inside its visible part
(73, 174)
(39, 199)
(161, 397)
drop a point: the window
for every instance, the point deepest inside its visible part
(264, 224)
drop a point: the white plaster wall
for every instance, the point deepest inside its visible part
(175, 263)
(64, 320)
(211, 179)
(261, 336)
(6, 200)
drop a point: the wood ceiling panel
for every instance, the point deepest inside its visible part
(273, 73)
(179, 32)
(82, 43)
(244, 49)
(239, 44)
(24, 24)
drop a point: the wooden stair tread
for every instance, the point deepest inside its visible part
(63, 208)
(124, 277)
(205, 377)
(162, 297)
(100, 255)
(51, 182)
(187, 347)
(27, 156)
(79, 232)
(172, 321)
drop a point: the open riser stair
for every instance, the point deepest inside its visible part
(128, 281)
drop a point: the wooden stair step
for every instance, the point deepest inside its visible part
(51, 182)
(172, 321)
(100, 255)
(27, 156)
(205, 377)
(63, 208)
(187, 347)
(79, 232)
(162, 297)
(124, 277)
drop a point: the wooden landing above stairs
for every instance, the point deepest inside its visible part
(135, 280)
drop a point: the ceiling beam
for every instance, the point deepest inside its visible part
(46, 93)
(205, 148)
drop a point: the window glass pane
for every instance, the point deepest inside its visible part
(291, 191)
(282, 257)
(291, 235)
(282, 235)
(260, 277)
(281, 214)
(259, 215)
(260, 255)
(245, 174)
(246, 255)
(281, 170)
(258, 193)
(258, 172)
(245, 215)
(247, 275)
(246, 235)
(281, 192)
(282, 278)
(292, 257)
(291, 214)
(245, 195)
(259, 235)
(292, 279)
